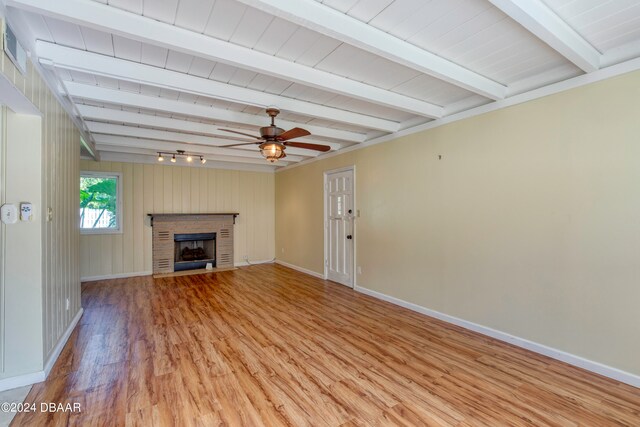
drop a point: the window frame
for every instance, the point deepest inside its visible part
(119, 219)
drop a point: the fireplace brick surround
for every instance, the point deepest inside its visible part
(166, 226)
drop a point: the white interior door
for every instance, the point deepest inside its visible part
(339, 236)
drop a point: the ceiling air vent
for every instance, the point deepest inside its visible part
(14, 51)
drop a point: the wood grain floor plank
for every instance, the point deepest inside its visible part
(265, 345)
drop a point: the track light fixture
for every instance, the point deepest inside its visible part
(180, 153)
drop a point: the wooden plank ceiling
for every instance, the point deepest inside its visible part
(144, 76)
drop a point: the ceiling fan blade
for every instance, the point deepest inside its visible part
(316, 147)
(293, 133)
(240, 133)
(236, 145)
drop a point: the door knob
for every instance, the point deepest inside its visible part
(349, 236)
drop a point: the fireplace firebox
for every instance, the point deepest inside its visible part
(194, 250)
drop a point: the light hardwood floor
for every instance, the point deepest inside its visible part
(266, 345)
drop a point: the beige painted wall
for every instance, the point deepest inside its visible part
(530, 223)
(150, 188)
(41, 166)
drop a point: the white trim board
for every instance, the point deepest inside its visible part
(61, 343)
(149, 273)
(300, 269)
(14, 99)
(115, 276)
(39, 376)
(571, 359)
(250, 262)
(22, 380)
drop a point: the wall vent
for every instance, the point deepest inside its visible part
(164, 235)
(14, 50)
(224, 258)
(163, 263)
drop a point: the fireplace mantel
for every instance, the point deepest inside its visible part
(189, 216)
(167, 225)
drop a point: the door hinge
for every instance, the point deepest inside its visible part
(326, 262)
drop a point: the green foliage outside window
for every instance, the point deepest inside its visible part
(98, 202)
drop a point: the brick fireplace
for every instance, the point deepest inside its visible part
(191, 241)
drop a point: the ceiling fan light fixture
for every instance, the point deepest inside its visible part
(276, 140)
(272, 151)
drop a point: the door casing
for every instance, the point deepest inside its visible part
(354, 232)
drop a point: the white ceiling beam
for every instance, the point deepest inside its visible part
(127, 117)
(340, 26)
(196, 161)
(121, 140)
(102, 17)
(58, 56)
(545, 24)
(167, 146)
(214, 164)
(136, 100)
(162, 135)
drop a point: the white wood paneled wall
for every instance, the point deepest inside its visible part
(149, 188)
(61, 166)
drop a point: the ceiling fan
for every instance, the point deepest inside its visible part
(274, 140)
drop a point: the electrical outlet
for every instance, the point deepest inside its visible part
(282, 249)
(68, 304)
(359, 270)
(246, 258)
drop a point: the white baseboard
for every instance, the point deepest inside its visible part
(39, 376)
(300, 269)
(572, 359)
(115, 276)
(61, 342)
(252, 262)
(149, 273)
(21, 380)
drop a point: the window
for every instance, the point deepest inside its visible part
(100, 202)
